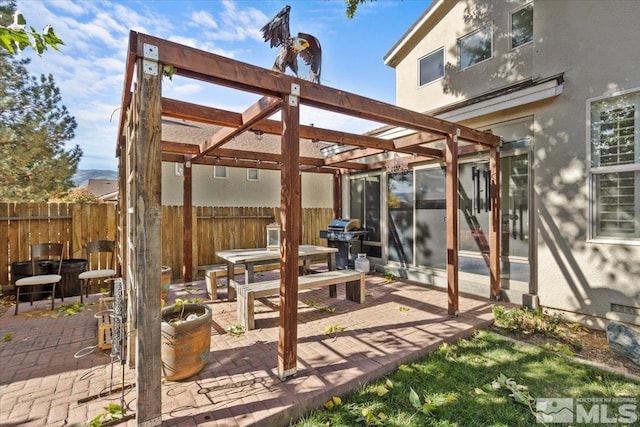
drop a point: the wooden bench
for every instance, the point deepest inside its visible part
(213, 272)
(247, 293)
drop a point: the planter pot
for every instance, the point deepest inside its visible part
(165, 282)
(185, 343)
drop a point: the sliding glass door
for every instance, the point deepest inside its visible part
(428, 231)
(365, 205)
(400, 206)
(431, 216)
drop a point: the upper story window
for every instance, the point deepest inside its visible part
(475, 47)
(220, 172)
(253, 174)
(432, 67)
(615, 166)
(522, 26)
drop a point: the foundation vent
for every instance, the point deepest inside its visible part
(626, 309)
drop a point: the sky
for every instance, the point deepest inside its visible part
(89, 69)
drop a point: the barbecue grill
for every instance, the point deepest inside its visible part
(346, 235)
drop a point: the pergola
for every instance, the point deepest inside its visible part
(141, 150)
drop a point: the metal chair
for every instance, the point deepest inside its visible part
(101, 255)
(38, 283)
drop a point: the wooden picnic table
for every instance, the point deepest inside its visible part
(257, 256)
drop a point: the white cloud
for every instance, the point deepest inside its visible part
(203, 19)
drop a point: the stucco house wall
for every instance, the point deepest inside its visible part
(237, 190)
(593, 47)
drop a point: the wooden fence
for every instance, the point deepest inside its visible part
(75, 224)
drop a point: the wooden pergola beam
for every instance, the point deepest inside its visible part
(416, 139)
(181, 152)
(408, 144)
(179, 109)
(235, 74)
(258, 111)
(199, 113)
(141, 113)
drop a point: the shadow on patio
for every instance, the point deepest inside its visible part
(42, 382)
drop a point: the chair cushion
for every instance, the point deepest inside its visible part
(96, 274)
(43, 279)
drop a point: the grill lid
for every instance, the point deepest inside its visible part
(344, 224)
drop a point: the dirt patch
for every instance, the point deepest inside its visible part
(586, 344)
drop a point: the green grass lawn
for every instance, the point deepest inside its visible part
(455, 383)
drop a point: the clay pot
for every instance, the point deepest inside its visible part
(185, 340)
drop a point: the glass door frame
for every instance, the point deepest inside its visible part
(511, 149)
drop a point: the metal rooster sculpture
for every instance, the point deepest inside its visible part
(307, 46)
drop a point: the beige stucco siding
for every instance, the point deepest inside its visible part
(236, 190)
(506, 67)
(593, 45)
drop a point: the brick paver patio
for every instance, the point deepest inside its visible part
(50, 365)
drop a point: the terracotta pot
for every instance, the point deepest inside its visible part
(185, 343)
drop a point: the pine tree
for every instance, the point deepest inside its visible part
(34, 127)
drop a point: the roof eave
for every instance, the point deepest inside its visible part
(392, 57)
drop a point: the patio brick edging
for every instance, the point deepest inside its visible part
(294, 412)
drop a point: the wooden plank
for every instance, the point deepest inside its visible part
(187, 218)
(105, 327)
(256, 112)
(14, 246)
(310, 281)
(148, 253)
(102, 222)
(77, 218)
(206, 66)
(5, 260)
(202, 114)
(337, 196)
(451, 183)
(247, 293)
(494, 224)
(22, 226)
(290, 204)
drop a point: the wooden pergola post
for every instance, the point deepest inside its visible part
(451, 185)
(290, 219)
(337, 195)
(145, 185)
(187, 218)
(139, 142)
(494, 223)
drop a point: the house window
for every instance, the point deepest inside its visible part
(615, 166)
(432, 67)
(522, 26)
(220, 172)
(475, 47)
(253, 174)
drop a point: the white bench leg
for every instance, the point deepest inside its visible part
(245, 306)
(211, 278)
